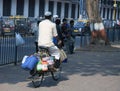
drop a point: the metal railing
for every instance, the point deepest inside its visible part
(10, 53)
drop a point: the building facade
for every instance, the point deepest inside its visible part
(110, 9)
(37, 8)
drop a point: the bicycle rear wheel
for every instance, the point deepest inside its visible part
(56, 74)
(37, 79)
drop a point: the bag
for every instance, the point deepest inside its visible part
(24, 59)
(19, 39)
(30, 62)
(63, 56)
(39, 66)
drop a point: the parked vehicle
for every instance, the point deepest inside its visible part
(22, 26)
(79, 26)
(8, 27)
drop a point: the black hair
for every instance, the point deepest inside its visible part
(57, 21)
(38, 22)
(64, 20)
(48, 17)
(71, 21)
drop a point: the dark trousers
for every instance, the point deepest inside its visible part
(36, 45)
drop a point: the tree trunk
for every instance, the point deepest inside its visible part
(96, 25)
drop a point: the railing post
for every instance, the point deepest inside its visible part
(81, 39)
(113, 34)
(16, 53)
(15, 62)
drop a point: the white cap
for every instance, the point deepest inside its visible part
(48, 13)
(55, 16)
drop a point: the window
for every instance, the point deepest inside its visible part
(59, 9)
(104, 12)
(107, 13)
(66, 10)
(20, 7)
(31, 8)
(6, 7)
(111, 14)
(73, 11)
(78, 11)
(51, 4)
(41, 7)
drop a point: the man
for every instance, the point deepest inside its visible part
(58, 27)
(71, 39)
(47, 30)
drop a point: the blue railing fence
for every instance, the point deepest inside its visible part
(10, 53)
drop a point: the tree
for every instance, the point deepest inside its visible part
(96, 25)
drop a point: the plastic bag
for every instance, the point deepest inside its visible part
(19, 39)
(63, 56)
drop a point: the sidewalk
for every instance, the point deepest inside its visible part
(114, 47)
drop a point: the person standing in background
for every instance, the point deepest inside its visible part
(58, 27)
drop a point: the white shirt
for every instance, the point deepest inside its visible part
(47, 30)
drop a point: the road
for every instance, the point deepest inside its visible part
(85, 71)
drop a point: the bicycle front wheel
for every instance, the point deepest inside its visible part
(37, 79)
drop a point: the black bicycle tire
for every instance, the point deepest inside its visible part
(40, 80)
(53, 75)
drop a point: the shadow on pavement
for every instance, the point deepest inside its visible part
(83, 63)
(15, 74)
(12, 74)
(49, 82)
(89, 63)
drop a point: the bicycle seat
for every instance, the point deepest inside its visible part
(43, 47)
(44, 51)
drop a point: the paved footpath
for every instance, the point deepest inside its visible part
(85, 71)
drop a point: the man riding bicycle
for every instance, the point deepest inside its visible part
(47, 30)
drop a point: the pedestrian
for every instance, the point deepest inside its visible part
(71, 39)
(58, 27)
(47, 30)
(67, 35)
(86, 29)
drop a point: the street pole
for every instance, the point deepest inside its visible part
(114, 12)
(81, 8)
(114, 18)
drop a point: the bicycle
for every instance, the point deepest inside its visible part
(39, 76)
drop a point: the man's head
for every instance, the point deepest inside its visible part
(64, 20)
(48, 15)
(71, 22)
(57, 21)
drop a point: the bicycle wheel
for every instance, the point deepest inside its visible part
(37, 79)
(56, 74)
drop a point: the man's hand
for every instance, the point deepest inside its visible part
(59, 42)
